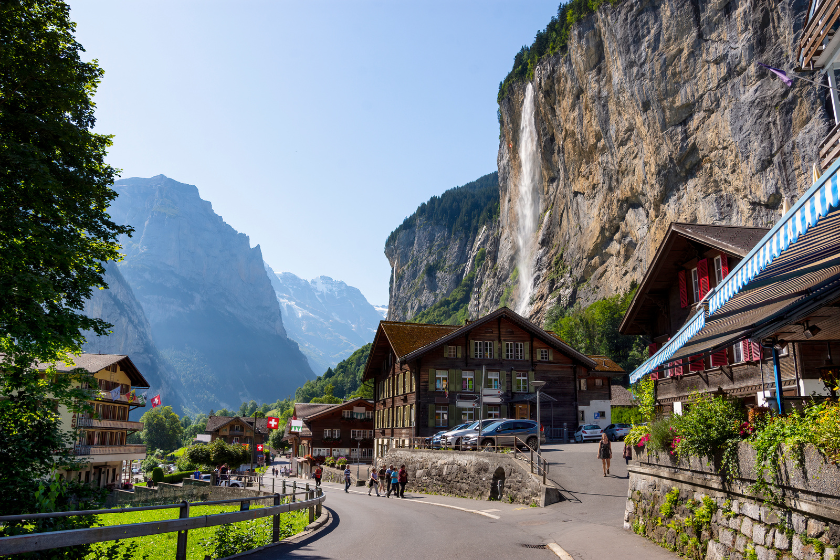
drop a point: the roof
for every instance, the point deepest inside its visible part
(620, 396)
(214, 423)
(605, 365)
(406, 338)
(305, 410)
(735, 241)
(93, 363)
(339, 406)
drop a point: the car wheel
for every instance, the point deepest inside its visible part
(531, 442)
(487, 443)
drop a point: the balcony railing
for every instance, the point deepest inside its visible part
(107, 449)
(117, 424)
(830, 148)
(106, 396)
(818, 32)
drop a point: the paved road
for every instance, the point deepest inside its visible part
(588, 525)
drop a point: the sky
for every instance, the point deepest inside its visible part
(313, 127)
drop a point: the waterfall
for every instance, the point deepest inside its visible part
(528, 201)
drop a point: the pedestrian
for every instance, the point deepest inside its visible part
(605, 453)
(403, 479)
(388, 481)
(318, 474)
(381, 474)
(395, 482)
(347, 478)
(223, 471)
(628, 453)
(373, 483)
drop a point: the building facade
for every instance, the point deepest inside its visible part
(238, 430)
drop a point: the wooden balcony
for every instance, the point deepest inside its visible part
(830, 148)
(818, 31)
(109, 424)
(85, 450)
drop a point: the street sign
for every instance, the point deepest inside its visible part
(491, 392)
(492, 400)
(466, 404)
(466, 397)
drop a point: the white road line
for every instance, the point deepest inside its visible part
(556, 549)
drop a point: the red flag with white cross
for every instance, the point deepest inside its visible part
(273, 422)
(155, 401)
(259, 447)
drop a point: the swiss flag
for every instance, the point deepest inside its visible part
(259, 447)
(155, 401)
(273, 422)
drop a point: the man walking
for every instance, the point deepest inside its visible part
(388, 481)
(395, 484)
(318, 474)
(403, 478)
(347, 478)
(373, 483)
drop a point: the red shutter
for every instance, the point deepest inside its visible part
(724, 266)
(683, 289)
(652, 348)
(755, 355)
(682, 369)
(696, 363)
(703, 276)
(719, 358)
(745, 350)
(654, 374)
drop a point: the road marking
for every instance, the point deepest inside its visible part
(518, 509)
(490, 510)
(556, 549)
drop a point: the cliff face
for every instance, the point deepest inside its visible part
(207, 296)
(657, 113)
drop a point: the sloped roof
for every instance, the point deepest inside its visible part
(96, 362)
(305, 410)
(405, 338)
(620, 396)
(604, 364)
(339, 406)
(216, 422)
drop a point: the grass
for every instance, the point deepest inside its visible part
(163, 545)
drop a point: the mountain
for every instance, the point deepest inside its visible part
(346, 379)
(208, 300)
(382, 310)
(644, 113)
(326, 317)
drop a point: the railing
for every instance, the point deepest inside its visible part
(35, 542)
(830, 148)
(139, 400)
(119, 424)
(107, 449)
(818, 31)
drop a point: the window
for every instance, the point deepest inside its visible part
(441, 379)
(320, 451)
(368, 415)
(441, 415)
(360, 434)
(583, 384)
(514, 350)
(347, 414)
(488, 349)
(451, 351)
(340, 451)
(493, 379)
(718, 270)
(695, 284)
(335, 434)
(483, 349)
(599, 382)
(544, 354)
(467, 381)
(602, 414)
(737, 355)
(467, 414)
(493, 411)
(521, 385)
(411, 415)
(582, 416)
(411, 376)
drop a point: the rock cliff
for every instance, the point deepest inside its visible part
(657, 112)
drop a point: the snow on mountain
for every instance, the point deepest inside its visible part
(326, 317)
(383, 310)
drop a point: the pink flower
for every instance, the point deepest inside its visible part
(644, 440)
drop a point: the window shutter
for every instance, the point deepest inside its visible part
(652, 348)
(451, 381)
(458, 351)
(703, 276)
(497, 348)
(683, 289)
(550, 355)
(746, 348)
(719, 358)
(755, 355)
(527, 355)
(431, 415)
(724, 266)
(458, 381)
(503, 380)
(696, 363)
(530, 379)
(450, 421)
(503, 411)
(654, 374)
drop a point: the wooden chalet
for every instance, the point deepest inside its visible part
(425, 376)
(330, 430)
(237, 430)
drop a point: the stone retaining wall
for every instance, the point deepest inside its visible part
(472, 475)
(191, 491)
(686, 507)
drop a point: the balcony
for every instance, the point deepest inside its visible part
(106, 396)
(109, 424)
(85, 450)
(830, 148)
(819, 44)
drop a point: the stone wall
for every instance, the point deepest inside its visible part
(686, 507)
(191, 491)
(472, 475)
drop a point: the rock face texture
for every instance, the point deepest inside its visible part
(327, 318)
(208, 299)
(657, 113)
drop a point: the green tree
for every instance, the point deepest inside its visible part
(327, 397)
(162, 429)
(197, 426)
(248, 409)
(55, 235)
(346, 376)
(210, 455)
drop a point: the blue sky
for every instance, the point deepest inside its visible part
(313, 127)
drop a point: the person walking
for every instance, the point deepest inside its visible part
(347, 478)
(388, 480)
(395, 482)
(403, 479)
(381, 475)
(318, 474)
(605, 453)
(373, 483)
(628, 453)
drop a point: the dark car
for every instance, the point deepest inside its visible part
(508, 433)
(617, 432)
(434, 441)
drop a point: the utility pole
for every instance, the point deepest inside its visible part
(538, 385)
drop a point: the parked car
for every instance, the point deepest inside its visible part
(617, 432)
(508, 433)
(445, 440)
(434, 442)
(455, 438)
(588, 432)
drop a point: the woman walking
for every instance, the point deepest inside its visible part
(627, 454)
(605, 453)
(403, 480)
(373, 482)
(381, 479)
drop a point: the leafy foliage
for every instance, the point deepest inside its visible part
(452, 310)
(553, 39)
(157, 474)
(149, 463)
(346, 378)
(644, 391)
(217, 452)
(626, 415)
(710, 425)
(594, 330)
(327, 397)
(162, 429)
(460, 209)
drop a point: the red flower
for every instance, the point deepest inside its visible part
(644, 440)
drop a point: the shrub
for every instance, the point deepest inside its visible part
(149, 463)
(707, 426)
(176, 477)
(233, 538)
(329, 461)
(662, 435)
(157, 474)
(341, 462)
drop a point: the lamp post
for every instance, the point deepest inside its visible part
(538, 385)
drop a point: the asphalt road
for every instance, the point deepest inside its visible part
(588, 524)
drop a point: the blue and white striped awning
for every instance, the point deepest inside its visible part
(808, 210)
(678, 341)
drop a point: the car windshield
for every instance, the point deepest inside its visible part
(472, 426)
(591, 427)
(622, 425)
(491, 427)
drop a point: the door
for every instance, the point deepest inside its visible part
(504, 435)
(522, 412)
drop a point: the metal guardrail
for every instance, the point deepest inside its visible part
(34, 542)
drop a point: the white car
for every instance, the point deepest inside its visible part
(588, 432)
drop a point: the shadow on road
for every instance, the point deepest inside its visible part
(293, 550)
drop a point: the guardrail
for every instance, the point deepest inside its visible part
(34, 542)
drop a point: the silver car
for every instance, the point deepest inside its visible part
(509, 433)
(443, 436)
(455, 437)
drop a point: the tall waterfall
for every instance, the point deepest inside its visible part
(528, 201)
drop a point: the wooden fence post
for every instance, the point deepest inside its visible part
(181, 550)
(294, 489)
(283, 488)
(275, 536)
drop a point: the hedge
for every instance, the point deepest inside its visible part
(177, 477)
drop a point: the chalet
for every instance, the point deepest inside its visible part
(101, 436)
(237, 430)
(427, 377)
(317, 431)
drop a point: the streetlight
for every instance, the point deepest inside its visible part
(538, 385)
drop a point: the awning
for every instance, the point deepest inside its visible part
(814, 205)
(665, 353)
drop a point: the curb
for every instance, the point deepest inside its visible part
(556, 549)
(294, 539)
